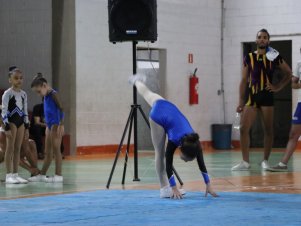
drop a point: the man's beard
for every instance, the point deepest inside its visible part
(262, 46)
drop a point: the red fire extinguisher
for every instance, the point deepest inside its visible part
(193, 88)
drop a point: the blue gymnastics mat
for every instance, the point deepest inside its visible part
(144, 207)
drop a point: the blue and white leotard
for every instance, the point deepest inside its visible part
(14, 108)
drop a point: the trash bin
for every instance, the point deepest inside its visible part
(221, 136)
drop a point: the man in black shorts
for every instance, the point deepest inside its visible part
(256, 95)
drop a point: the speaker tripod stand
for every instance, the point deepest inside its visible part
(132, 124)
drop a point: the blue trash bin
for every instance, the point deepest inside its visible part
(221, 136)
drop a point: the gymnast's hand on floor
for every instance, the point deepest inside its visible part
(176, 194)
(210, 191)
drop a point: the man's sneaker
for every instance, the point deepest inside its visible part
(20, 179)
(280, 167)
(37, 178)
(10, 179)
(54, 179)
(265, 165)
(242, 166)
(166, 192)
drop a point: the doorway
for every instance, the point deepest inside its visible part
(150, 62)
(283, 100)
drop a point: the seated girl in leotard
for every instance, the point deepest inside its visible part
(166, 118)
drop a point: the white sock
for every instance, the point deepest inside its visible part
(281, 164)
(137, 77)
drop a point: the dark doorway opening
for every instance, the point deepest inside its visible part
(283, 100)
(150, 62)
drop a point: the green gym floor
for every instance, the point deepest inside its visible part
(90, 173)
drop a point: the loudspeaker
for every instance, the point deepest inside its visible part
(132, 20)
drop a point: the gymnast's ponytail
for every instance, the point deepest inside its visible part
(38, 80)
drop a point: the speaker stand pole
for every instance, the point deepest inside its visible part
(136, 178)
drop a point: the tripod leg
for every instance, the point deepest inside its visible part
(120, 147)
(127, 152)
(177, 176)
(136, 178)
(144, 116)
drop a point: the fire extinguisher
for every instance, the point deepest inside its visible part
(193, 88)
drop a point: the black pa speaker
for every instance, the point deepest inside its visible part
(132, 20)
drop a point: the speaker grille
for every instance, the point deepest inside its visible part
(132, 20)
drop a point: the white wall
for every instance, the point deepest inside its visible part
(25, 40)
(242, 21)
(103, 95)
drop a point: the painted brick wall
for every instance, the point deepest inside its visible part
(25, 40)
(103, 95)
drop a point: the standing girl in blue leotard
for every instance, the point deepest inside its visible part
(54, 117)
(166, 118)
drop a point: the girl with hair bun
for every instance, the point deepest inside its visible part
(166, 119)
(15, 118)
(54, 117)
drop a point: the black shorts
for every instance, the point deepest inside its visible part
(263, 98)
